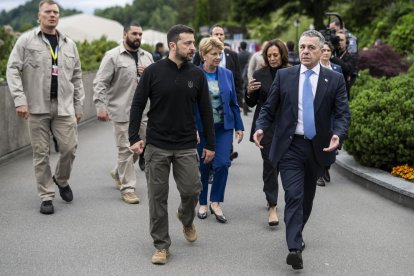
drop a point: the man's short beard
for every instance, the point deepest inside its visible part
(133, 45)
(181, 57)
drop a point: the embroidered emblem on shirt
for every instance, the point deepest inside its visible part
(190, 84)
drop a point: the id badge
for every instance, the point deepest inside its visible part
(54, 70)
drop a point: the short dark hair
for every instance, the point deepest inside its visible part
(329, 44)
(127, 27)
(215, 26)
(290, 45)
(282, 50)
(173, 34)
(243, 45)
(159, 45)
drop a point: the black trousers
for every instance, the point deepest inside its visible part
(270, 173)
(299, 172)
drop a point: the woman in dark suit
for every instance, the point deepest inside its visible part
(325, 61)
(275, 55)
(226, 114)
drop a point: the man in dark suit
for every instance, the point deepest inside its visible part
(229, 60)
(305, 97)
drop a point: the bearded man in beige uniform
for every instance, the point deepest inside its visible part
(114, 87)
(45, 80)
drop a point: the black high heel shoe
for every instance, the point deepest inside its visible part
(202, 215)
(221, 219)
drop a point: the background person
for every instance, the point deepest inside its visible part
(256, 61)
(45, 80)
(326, 62)
(346, 60)
(244, 57)
(275, 56)
(226, 114)
(159, 52)
(114, 85)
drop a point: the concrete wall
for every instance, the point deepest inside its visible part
(14, 135)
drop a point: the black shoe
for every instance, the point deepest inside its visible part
(202, 215)
(65, 192)
(46, 207)
(141, 162)
(233, 155)
(221, 219)
(320, 182)
(327, 176)
(294, 259)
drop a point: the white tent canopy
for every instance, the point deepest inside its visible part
(90, 27)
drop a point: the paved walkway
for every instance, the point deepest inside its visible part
(352, 231)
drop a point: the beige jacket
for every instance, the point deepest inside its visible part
(116, 80)
(29, 74)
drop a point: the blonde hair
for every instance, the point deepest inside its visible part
(208, 43)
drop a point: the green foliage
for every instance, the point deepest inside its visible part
(154, 14)
(363, 82)
(7, 39)
(402, 35)
(91, 53)
(24, 17)
(383, 24)
(381, 131)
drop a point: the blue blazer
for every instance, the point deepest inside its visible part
(330, 101)
(231, 109)
(336, 67)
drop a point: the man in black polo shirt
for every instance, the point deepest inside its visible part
(174, 86)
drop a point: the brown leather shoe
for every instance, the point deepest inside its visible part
(130, 198)
(190, 232)
(160, 256)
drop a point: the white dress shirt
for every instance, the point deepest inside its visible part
(314, 82)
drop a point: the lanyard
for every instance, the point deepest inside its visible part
(54, 54)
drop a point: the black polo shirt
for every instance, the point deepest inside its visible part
(174, 93)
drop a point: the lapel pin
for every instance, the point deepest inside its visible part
(326, 80)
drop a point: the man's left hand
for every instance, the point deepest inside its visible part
(208, 155)
(78, 117)
(333, 145)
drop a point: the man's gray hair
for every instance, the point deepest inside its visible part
(313, 33)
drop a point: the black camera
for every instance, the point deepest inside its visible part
(330, 34)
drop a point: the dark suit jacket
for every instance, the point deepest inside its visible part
(232, 63)
(330, 100)
(259, 98)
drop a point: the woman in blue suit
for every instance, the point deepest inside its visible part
(226, 113)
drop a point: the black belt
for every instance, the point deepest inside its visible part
(301, 136)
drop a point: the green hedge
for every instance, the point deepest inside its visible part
(381, 134)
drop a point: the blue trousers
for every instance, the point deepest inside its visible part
(221, 164)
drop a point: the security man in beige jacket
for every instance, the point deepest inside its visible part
(45, 80)
(114, 87)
